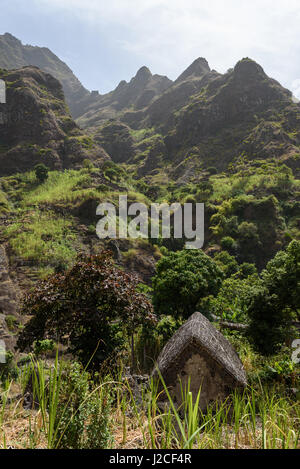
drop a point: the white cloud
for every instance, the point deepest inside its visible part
(296, 88)
(168, 35)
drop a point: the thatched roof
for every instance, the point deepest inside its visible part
(198, 332)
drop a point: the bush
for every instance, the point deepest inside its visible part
(276, 301)
(41, 172)
(234, 298)
(91, 306)
(83, 417)
(228, 244)
(43, 347)
(227, 263)
(9, 369)
(11, 322)
(182, 279)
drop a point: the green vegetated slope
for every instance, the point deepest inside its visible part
(231, 141)
(206, 120)
(251, 195)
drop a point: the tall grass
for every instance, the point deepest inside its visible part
(43, 237)
(61, 186)
(260, 418)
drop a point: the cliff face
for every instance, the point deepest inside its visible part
(13, 55)
(201, 120)
(242, 113)
(9, 299)
(36, 127)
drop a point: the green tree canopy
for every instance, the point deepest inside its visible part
(276, 302)
(183, 279)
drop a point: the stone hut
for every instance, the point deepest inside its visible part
(199, 352)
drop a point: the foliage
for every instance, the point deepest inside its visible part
(82, 417)
(43, 237)
(78, 412)
(232, 302)
(41, 172)
(8, 369)
(42, 347)
(88, 306)
(184, 278)
(152, 338)
(276, 301)
(227, 263)
(229, 244)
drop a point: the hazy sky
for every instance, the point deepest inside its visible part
(107, 41)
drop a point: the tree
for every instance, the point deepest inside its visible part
(183, 279)
(91, 306)
(276, 302)
(41, 172)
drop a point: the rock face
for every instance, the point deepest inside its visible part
(13, 54)
(116, 140)
(36, 127)
(243, 112)
(205, 118)
(8, 300)
(197, 69)
(198, 352)
(139, 93)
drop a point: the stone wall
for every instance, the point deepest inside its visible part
(203, 373)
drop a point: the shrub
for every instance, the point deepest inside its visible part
(42, 347)
(89, 306)
(182, 279)
(11, 322)
(82, 417)
(227, 263)
(228, 243)
(276, 301)
(41, 172)
(88, 164)
(9, 369)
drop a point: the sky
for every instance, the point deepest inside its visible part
(105, 42)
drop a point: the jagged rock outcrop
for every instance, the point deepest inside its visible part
(197, 69)
(208, 119)
(36, 127)
(117, 141)
(135, 95)
(232, 115)
(9, 298)
(13, 55)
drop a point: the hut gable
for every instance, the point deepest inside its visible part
(201, 354)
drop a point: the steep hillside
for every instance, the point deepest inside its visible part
(36, 127)
(205, 119)
(243, 113)
(231, 141)
(13, 54)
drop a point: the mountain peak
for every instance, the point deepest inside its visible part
(143, 73)
(10, 37)
(248, 68)
(198, 68)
